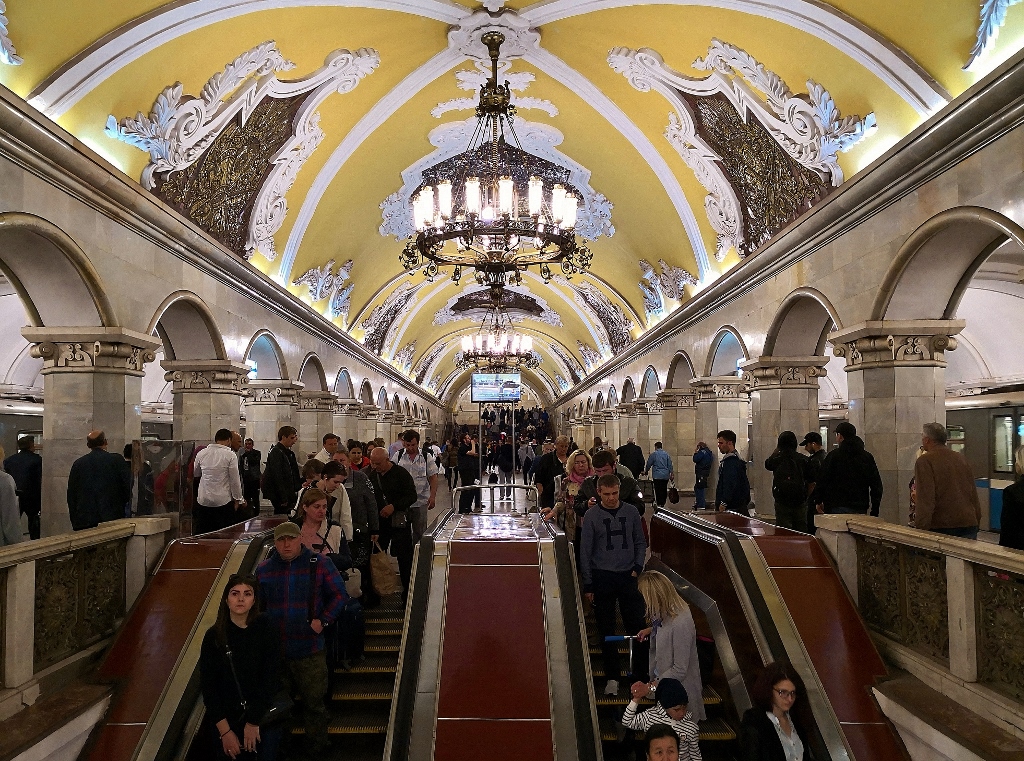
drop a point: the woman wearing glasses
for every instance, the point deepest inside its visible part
(768, 732)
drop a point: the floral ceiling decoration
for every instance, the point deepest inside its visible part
(591, 356)
(572, 365)
(323, 283)
(8, 54)
(380, 326)
(993, 16)
(667, 285)
(259, 168)
(474, 303)
(617, 325)
(403, 357)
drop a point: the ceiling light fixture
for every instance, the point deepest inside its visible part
(495, 208)
(496, 346)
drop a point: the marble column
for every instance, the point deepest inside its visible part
(314, 417)
(586, 437)
(346, 419)
(896, 371)
(611, 427)
(783, 397)
(92, 380)
(384, 420)
(368, 414)
(679, 430)
(628, 421)
(722, 404)
(207, 396)
(269, 404)
(648, 425)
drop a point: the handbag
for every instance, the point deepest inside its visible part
(399, 519)
(382, 575)
(279, 710)
(673, 493)
(353, 582)
(359, 549)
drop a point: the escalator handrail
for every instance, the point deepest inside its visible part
(826, 737)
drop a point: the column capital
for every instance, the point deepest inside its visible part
(612, 413)
(629, 410)
(784, 372)
(211, 376)
(718, 388)
(316, 401)
(368, 411)
(896, 343)
(646, 405)
(385, 416)
(348, 407)
(91, 349)
(272, 392)
(677, 397)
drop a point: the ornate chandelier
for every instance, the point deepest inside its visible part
(490, 208)
(497, 347)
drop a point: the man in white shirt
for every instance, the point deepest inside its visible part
(423, 470)
(331, 442)
(220, 485)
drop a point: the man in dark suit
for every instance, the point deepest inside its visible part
(99, 485)
(632, 457)
(26, 468)
(281, 479)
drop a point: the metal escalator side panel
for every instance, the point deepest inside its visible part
(156, 743)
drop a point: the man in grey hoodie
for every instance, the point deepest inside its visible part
(612, 556)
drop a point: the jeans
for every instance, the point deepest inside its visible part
(400, 542)
(206, 518)
(307, 677)
(611, 587)
(505, 477)
(791, 516)
(699, 502)
(964, 532)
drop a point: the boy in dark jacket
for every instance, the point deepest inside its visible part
(849, 481)
(703, 460)
(732, 492)
(789, 483)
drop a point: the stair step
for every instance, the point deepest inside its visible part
(597, 650)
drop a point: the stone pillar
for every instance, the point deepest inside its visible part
(92, 380)
(399, 425)
(207, 396)
(384, 421)
(628, 422)
(314, 417)
(269, 404)
(368, 414)
(722, 404)
(649, 426)
(897, 381)
(586, 437)
(611, 427)
(346, 419)
(679, 430)
(783, 397)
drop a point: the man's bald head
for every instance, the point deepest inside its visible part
(379, 460)
(96, 440)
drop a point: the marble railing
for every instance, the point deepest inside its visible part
(950, 611)
(63, 597)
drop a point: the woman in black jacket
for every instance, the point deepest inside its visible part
(768, 732)
(238, 669)
(1011, 527)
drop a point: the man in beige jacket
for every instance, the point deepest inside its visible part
(947, 499)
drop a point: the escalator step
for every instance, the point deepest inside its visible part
(596, 649)
(362, 696)
(371, 666)
(382, 648)
(385, 630)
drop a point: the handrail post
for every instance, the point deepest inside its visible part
(963, 631)
(19, 624)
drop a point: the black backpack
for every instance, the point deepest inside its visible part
(788, 484)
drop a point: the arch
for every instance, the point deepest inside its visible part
(311, 373)
(651, 385)
(628, 391)
(382, 399)
(396, 404)
(187, 328)
(599, 404)
(590, 405)
(680, 372)
(366, 392)
(266, 352)
(613, 398)
(930, 273)
(343, 385)
(34, 256)
(726, 350)
(406, 409)
(801, 326)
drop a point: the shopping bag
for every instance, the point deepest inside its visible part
(673, 493)
(382, 575)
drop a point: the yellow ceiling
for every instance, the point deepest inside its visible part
(937, 36)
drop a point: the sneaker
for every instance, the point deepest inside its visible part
(612, 687)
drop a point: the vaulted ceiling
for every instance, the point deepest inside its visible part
(350, 124)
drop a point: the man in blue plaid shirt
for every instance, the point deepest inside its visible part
(301, 616)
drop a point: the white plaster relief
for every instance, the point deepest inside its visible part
(180, 128)
(323, 283)
(591, 356)
(548, 316)
(668, 285)
(403, 357)
(8, 54)
(473, 79)
(809, 128)
(993, 16)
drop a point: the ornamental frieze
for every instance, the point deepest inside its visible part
(92, 356)
(917, 343)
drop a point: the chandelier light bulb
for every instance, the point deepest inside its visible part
(487, 215)
(571, 204)
(467, 343)
(536, 195)
(494, 343)
(505, 195)
(444, 199)
(557, 203)
(479, 342)
(473, 195)
(527, 343)
(515, 343)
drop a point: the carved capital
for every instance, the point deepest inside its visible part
(720, 388)
(347, 407)
(316, 401)
(91, 350)
(272, 392)
(910, 343)
(210, 377)
(676, 397)
(784, 372)
(629, 410)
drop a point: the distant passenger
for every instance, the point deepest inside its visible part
(611, 558)
(281, 480)
(26, 467)
(549, 467)
(469, 473)
(395, 492)
(10, 515)
(598, 446)
(732, 491)
(947, 499)
(285, 578)
(789, 471)
(1011, 532)
(768, 732)
(849, 481)
(812, 444)
(99, 485)
(703, 461)
(330, 442)
(423, 468)
(250, 464)
(220, 486)
(632, 456)
(242, 651)
(669, 710)
(673, 638)
(659, 465)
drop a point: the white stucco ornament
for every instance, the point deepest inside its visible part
(8, 54)
(180, 127)
(993, 16)
(324, 283)
(473, 79)
(520, 37)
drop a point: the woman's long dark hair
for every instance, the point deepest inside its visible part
(761, 692)
(224, 615)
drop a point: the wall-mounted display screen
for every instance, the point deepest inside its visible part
(495, 388)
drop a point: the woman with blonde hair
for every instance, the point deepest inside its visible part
(673, 636)
(578, 468)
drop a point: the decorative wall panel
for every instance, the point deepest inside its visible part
(999, 597)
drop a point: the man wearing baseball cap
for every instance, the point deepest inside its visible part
(812, 444)
(303, 593)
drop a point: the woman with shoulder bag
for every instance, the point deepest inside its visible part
(365, 525)
(238, 671)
